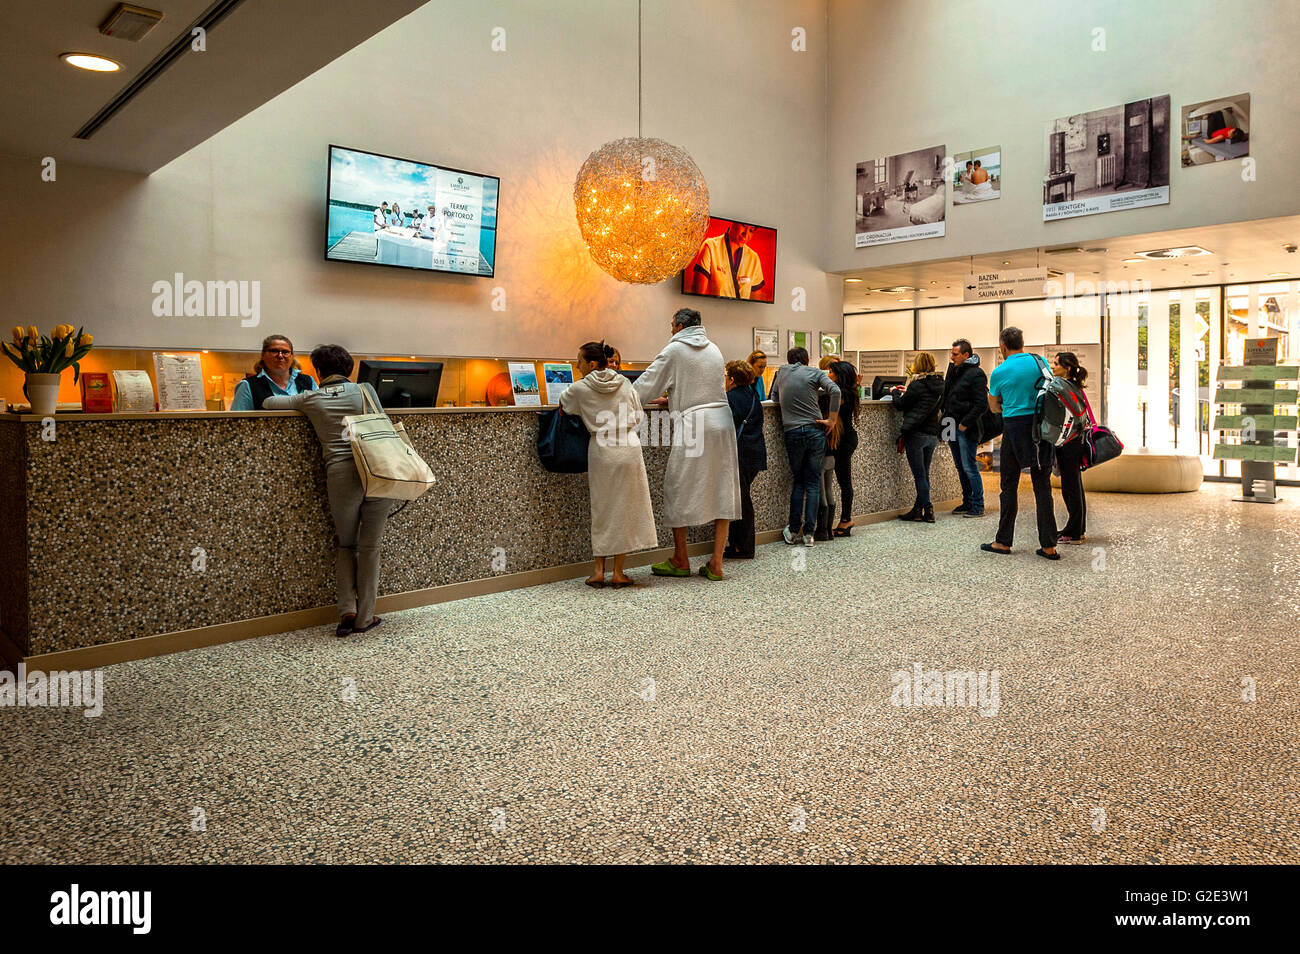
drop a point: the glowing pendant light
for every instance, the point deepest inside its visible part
(642, 204)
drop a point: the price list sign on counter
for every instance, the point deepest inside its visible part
(180, 381)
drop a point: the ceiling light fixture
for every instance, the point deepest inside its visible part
(91, 62)
(1180, 251)
(853, 281)
(642, 204)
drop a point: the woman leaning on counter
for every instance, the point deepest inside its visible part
(275, 373)
(358, 520)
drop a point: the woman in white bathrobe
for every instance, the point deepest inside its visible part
(622, 517)
(702, 478)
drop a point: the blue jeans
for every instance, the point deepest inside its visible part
(920, 451)
(806, 448)
(968, 470)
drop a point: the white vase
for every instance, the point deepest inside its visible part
(43, 392)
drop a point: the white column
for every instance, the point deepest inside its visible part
(1216, 358)
(1122, 411)
(1157, 390)
(1188, 377)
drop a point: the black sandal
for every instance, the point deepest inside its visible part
(365, 629)
(345, 625)
(1047, 556)
(990, 548)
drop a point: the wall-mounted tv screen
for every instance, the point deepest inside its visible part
(737, 260)
(389, 211)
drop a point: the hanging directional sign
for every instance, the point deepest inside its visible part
(1009, 283)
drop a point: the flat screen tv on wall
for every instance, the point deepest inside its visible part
(737, 260)
(388, 211)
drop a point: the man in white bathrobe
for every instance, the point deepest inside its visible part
(702, 479)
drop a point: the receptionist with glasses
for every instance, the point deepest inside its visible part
(275, 372)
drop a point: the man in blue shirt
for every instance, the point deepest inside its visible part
(274, 373)
(1013, 392)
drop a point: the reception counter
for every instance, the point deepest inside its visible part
(135, 535)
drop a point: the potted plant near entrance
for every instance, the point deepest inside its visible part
(44, 358)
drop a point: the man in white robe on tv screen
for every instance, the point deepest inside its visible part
(702, 478)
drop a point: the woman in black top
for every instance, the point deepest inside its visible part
(751, 451)
(919, 401)
(844, 439)
(1070, 451)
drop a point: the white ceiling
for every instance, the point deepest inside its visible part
(259, 50)
(1242, 252)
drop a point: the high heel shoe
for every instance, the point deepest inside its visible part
(843, 531)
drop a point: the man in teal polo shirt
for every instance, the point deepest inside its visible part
(274, 374)
(1013, 392)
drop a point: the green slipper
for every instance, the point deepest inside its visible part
(709, 574)
(667, 569)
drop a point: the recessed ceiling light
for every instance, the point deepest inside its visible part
(89, 61)
(853, 281)
(1278, 274)
(1006, 261)
(1128, 260)
(904, 299)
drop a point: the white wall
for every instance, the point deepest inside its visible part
(249, 204)
(974, 73)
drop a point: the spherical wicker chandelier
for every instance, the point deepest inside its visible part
(642, 204)
(643, 209)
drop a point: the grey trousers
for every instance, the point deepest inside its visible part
(828, 481)
(359, 525)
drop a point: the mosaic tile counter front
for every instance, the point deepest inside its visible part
(163, 523)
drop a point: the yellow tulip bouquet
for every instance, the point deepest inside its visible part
(35, 353)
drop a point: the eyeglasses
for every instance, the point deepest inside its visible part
(280, 351)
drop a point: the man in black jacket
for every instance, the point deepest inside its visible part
(965, 399)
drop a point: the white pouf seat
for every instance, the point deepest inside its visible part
(1140, 472)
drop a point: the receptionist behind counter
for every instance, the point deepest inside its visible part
(274, 373)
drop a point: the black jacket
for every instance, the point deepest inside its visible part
(747, 413)
(966, 392)
(920, 405)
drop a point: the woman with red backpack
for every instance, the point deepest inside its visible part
(1070, 450)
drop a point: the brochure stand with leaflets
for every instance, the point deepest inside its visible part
(1263, 431)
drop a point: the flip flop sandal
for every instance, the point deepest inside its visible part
(596, 584)
(1047, 556)
(667, 569)
(989, 548)
(365, 629)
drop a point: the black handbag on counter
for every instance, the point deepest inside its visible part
(562, 442)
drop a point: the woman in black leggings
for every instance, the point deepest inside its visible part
(1069, 453)
(845, 440)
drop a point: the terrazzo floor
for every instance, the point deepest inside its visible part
(521, 727)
